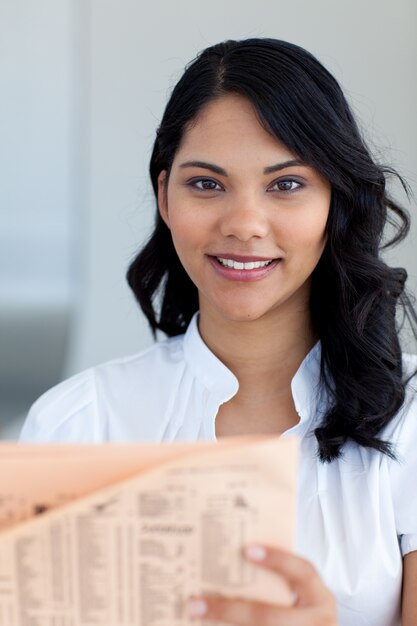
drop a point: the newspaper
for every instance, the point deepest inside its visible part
(123, 534)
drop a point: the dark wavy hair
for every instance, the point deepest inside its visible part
(354, 293)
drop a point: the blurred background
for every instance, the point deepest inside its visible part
(84, 84)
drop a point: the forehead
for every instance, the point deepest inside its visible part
(230, 124)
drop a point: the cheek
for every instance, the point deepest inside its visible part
(305, 239)
(307, 231)
(190, 226)
(184, 233)
(187, 237)
(315, 222)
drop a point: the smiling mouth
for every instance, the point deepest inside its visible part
(237, 265)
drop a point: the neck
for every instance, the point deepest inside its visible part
(263, 354)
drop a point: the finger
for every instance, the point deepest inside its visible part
(299, 573)
(245, 613)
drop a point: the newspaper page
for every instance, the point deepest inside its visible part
(132, 553)
(35, 478)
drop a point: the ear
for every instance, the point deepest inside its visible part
(163, 197)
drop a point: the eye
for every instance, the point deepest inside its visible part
(287, 186)
(207, 184)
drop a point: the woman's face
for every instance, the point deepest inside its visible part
(247, 218)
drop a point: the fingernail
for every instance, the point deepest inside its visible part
(255, 553)
(197, 607)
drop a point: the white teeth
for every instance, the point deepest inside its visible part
(252, 265)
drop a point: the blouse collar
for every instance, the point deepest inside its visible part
(223, 384)
(212, 372)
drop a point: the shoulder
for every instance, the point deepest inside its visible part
(409, 362)
(405, 422)
(78, 409)
(402, 433)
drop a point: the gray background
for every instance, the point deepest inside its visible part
(84, 84)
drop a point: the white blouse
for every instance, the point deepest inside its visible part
(356, 516)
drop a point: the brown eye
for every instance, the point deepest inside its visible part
(287, 185)
(207, 184)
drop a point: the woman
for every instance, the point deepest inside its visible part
(264, 271)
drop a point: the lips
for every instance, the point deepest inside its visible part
(243, 268)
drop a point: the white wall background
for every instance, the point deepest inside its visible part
(35, 165)
(37, 197)
(83, 146)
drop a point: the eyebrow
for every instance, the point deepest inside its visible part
(219, 170)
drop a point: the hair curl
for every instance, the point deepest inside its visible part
(354, 293)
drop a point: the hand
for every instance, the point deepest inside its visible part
(314, 605)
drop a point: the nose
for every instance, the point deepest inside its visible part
(244, 218)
